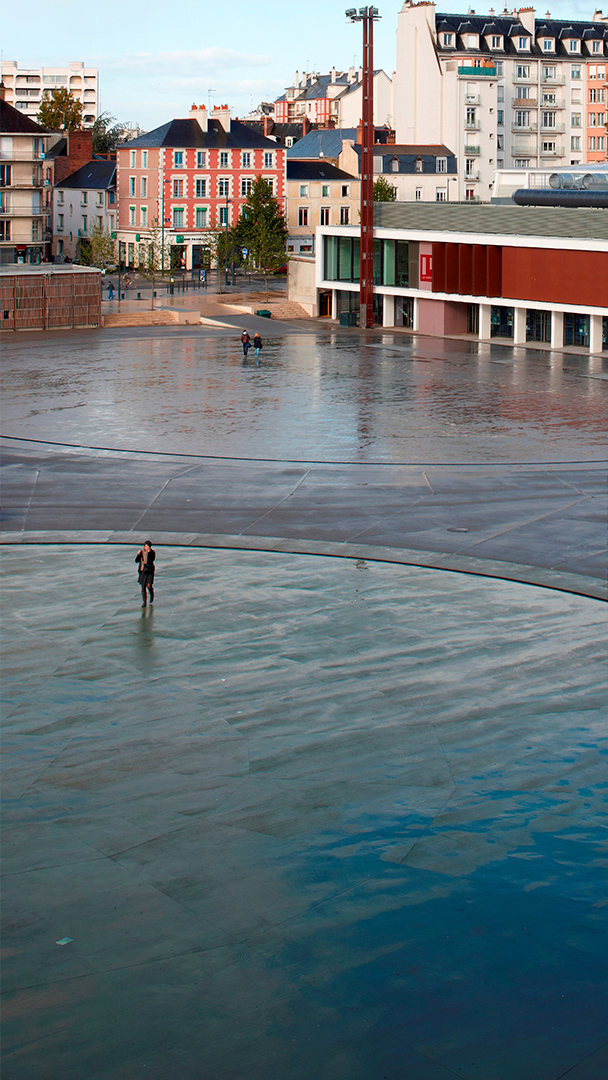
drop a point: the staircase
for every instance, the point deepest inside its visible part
(285, 309)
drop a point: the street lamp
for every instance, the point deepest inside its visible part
(450, 180)
(162, 225)
(226, 252)
(368, 16)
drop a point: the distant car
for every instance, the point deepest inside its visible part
(281, 269)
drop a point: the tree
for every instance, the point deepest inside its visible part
(383, 191)
(107, 134)
(99, 249)
(156, 262)
(60, 111)
(261, 231)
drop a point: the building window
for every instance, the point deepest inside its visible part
(111, 198)
(5, 230)
(223, 216)
(224, 160)
(201, 217)
(325, 191)
(246, 185)
(501, 321)
(268, 159)
(574, 45)
(84, 198)
(469, 167)
(591, 119)
(441, 164)
(523, 71)
(601, 142)
(178, 159)
(100, 198)
(448, 40)
(144, 186)
(133, 159)
(99, 222)
(575, 142)
(223, 186)
(522, 119)
(575, 71)
(500, 142)
(325, 215)
(576, 330)
(418, 195)
(60, 194)
(132, 215)
(469, 194)
(60, 221)
(289, 141)
(303, 191)
(547, 45)
(575, 119)
(144, 217)
(246, 161)
(60, 247)
(595, 46)
(201, 189)
(178, 189)
(500, 117)
(131, 185)
(178, 217)
(111, 223)
(419, 164)
(522, 163)
(592, 142)
(522, 43)
(496, 42)
(201, 159)
(345, 215)
(144, 159)
(270, 180)
(548, 119)
(548, 147)
(471, 119)
(345, 191)
(440, 194)
(85, 221)
(303, 215)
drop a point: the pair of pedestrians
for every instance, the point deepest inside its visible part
(246, 343)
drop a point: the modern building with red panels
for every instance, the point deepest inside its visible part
(510, 274)
(596, 112)
(191, 176)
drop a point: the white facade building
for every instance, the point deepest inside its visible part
(25, 86)
(335, 99)
(501, 91)
(82, 201)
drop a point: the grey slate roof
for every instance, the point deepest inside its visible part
(327, 141)
(509, 27)
(316, 170)
(541, 221)
(14, 122)
(180, 134)
(95, 174)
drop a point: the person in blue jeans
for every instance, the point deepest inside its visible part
(246, 343)
(110, 291)
(257, 344)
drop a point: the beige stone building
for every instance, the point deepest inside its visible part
(25, 87)
(318, 194)
(26, 185)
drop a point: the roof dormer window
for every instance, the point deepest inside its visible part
(448, 41)
(596, 46)
(496, 41)
(523, 44)
(472, 41)
(574, 45)
(548, 45)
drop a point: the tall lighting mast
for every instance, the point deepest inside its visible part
(368, 16)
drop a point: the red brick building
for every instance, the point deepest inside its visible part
(192, 176)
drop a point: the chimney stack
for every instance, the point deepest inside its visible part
(221, 113)
(199, 113)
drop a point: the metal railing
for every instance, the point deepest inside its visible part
(21, 154)
(472, 151)
(555, 80)
(557, 152)
(556, 129)
(532, 126)
(472, 125)
(524, 103)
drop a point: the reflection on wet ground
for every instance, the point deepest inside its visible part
(305, 819)
(322, 396)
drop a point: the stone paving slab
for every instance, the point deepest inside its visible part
(313, 816)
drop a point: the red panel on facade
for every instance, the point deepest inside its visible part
(561, 277)
(494, 285)
(451, 268)
(465, 269)
(480, 270)
(439, 268)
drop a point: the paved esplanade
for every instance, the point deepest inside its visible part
(308, 817)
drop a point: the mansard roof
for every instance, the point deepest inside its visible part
(188, 133)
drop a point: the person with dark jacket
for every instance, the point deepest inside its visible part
(145, 558)
(245, 342)
(257, 344)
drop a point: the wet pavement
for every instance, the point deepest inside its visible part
(305, 818)
(308, 817)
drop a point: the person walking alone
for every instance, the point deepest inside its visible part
(257, 344)
(145, 557)
(245, 342)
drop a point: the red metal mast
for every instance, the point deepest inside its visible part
(367, 15)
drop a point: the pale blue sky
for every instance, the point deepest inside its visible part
(155, 58)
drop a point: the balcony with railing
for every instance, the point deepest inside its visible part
(559, 103)
(472, 99)
(557, 152)
(524, 103)
(472, 151)
(532, 125)
(472, 125)
(20, 153)
(553, 80)
(556, 129)
(473, 175)
(488, 71)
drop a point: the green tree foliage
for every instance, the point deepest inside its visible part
(107, 134)
(156, 263)
(261, 230)
(60, 111)
(383, 191)
(99, 249)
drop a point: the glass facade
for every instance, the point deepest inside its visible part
(501, 321)
(391, 260)
(576, 330)
(538, 325)
(404, 311)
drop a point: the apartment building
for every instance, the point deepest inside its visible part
(318, 194)
(191, 176)
(26, 181)
(502, 91)
(81, 201)
(26, 86)
(334, 100)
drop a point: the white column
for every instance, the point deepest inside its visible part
(519, 325)
(416, 318)
(485, 312)
(334, 304)
(388, 311)
(595, 334)
(557, 329)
